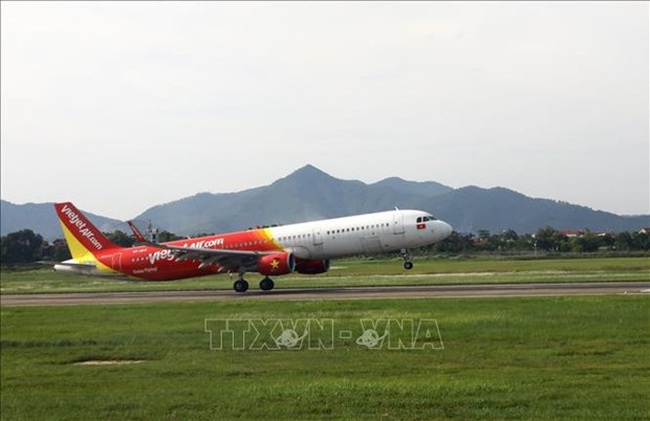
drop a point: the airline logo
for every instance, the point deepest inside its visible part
(205, 244)
(161, 255)
(75, 221)
(421, 225)
(170, 256)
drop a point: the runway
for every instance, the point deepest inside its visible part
(346, 293)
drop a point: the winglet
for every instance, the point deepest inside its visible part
(138, 235)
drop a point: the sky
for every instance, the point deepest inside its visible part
(121, 106)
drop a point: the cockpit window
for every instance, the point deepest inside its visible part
(425, 219)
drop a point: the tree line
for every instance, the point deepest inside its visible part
(544, 240)
(25, 246)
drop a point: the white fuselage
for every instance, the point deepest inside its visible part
(369, 233)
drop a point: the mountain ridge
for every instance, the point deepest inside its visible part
(311, 194)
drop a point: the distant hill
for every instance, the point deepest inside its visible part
(426, 188)
(471, 208)
(310, 194)
(41, 218)
(307, 194)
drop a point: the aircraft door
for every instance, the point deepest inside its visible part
(317, 236)
(116, 262)
(398, 223)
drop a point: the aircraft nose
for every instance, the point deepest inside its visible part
(445, 230)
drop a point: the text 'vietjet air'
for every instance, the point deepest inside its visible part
(304, 248)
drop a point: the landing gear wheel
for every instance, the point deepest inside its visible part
(240, 285)
(408, 260)
(266, 284)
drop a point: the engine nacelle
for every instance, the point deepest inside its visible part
(276, 264)
(312, 267)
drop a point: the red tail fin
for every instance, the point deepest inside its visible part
(81, 234)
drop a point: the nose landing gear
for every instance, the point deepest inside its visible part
(408, 260)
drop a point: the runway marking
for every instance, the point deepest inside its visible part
(342, 293)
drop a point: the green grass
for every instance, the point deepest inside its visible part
(511, 358)
(361, 273)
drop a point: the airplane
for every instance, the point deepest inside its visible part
(305, 248)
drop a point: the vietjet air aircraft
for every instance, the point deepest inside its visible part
(303, 248)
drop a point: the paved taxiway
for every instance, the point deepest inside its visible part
(347, 293)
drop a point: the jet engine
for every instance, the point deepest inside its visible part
(276, 264)
(312, 267)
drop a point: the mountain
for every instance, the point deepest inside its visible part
(426, 188)
(310, 194)
(307, 194)
(471, 208)
(41, 218)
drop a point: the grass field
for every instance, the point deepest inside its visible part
(361, 273)
(510, 358)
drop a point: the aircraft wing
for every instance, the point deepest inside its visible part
(228, 260)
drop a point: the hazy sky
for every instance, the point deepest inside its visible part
(120, 106)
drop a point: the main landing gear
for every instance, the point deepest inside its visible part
(241, 285)
(408, 260)
(266, 284)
